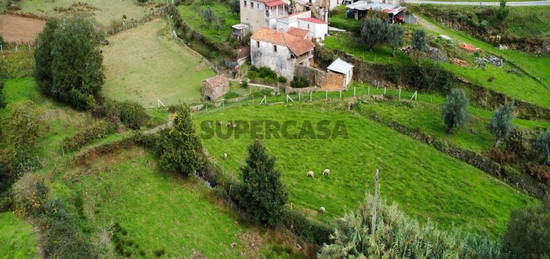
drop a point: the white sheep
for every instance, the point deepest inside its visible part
(224, 155)
(310, 174)
(209, 125)
(228, 124)
(322, 210)
(326, 172)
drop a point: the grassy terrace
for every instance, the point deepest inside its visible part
(17, 239)
(192, 15)
(500, 79)
(441, 188)
(146, 64)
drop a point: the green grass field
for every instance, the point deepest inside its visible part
(191, 14)
(350, 44)
(158, 213)
(104, 11)
(425, 182)
(146, 64)
(17, 239)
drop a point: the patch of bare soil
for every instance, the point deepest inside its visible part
(16, 29)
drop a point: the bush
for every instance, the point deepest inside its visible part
(282, 80)
(244, 84)
(231, 95)
(132, 114)
(395, 37)
(299, 82)
(455, 110)
(419, 41)
(179, 148)
(30, 195)
(528, 234)
(69, 72)
(501, 122)
(95, 131)
(308, 230)
(542, 145)
(395, 235)
(2, 99)
(262, 194)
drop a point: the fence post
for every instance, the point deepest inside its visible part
(299, 96)
(400, 93)
(340, 94)
(368, 91)
(384, 90)
(310, 96)
(354, 91)
(326, 95)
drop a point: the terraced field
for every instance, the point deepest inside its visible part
(17, 238)
(425, 183)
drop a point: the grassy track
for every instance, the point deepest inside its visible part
(17, 239)
(191, 14)
(426, 183)
(145, 64)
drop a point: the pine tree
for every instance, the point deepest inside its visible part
(454, 112)
(501, 122)
(263, 195)
(180, 148)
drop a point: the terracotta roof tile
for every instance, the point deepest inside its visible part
(297, 32)
(298, 46)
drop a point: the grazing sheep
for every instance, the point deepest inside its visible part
(224, 155)
(219, 122)
(234, 125)
(310, 174)
(209, 125)
(326, 172)
(228, 124)
(322, 210)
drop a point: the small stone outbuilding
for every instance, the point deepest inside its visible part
(215, 87)
(341, 72)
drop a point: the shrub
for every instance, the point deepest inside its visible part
(2, 99)
(395, 235)
(373, 32)
(235, 6)
(395, 37)
(244, 84)
(528, 234)
(30, 195)
(180, 149)
(132, 114)
(419, 41)
(501, 122)
(454, 111)
(95, 131)
(282, 79)
(262, 195)
(69, 72)
(299, 82)
(502, 11)
(231, 95)
(542, 145)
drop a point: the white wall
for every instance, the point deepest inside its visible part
(316, 30)
(265, 56)
(254, 14)
(284, 23)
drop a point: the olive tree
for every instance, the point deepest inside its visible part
(454, 111)
(395, 37)
(501, 122)
(373, 32)
(542, 145)
(419, 41)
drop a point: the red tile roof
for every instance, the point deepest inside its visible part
(297, 45)
(297, 32)
(313, 20)
(274, 3)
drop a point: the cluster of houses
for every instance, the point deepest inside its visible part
(284, 33)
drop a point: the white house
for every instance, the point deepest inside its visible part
(286, 22)
(280, 51)
(318, 29)
(342, 67)
(262, 13)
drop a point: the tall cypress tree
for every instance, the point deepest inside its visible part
(179, 147)
(263, 194)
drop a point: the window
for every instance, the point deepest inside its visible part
(308, 27)
(258, 43)
(274, 48)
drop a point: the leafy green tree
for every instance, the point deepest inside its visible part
(395, 37)
(373, 32)
(235, 6)
(419, 41)
(454, 111)
(501, 122)
(528, 234)
(69, 62)
(542, 145)
(2, 99)
(263, 195)
(179, 147)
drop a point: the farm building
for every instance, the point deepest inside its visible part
(239, 31)
(280, 51)
(215, 87)
(342, 67)
(317, 29)
(262, 13)
(359, 9)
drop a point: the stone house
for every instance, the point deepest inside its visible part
(215, 87)
(280, 51)
(344, 68)
(262, 13)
